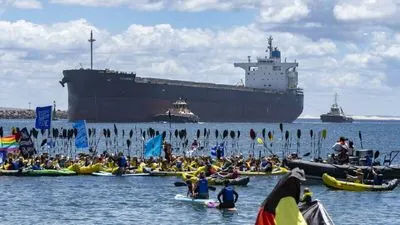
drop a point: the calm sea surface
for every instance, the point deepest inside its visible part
(150, 200)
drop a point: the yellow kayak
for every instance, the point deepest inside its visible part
(331, 182)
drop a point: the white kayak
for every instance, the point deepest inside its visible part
(107, 174)
(184, 198)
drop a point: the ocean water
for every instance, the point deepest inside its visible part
(150, 200)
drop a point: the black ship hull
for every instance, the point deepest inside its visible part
(176, 118)
(104, 96)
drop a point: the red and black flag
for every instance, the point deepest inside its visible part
(281, 206)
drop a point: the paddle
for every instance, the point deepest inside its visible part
(359, 135)
(183, 184)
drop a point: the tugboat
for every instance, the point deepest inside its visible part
(336, 115)
(178, 113)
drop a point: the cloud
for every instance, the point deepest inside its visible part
(352, 10)
(283, 11)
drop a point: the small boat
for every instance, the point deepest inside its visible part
(178, 113)
(332, 182)
(336, 114)
(317, 169)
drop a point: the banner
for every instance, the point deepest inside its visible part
(81, 139)
(43, 117)
(26, 144)
(153, 147)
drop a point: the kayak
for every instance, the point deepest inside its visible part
(332, 182)
(240, 181)
(278, 171)
(184, 198)
(107, 174)
(215, 205)
(38, 173)
(63, 172)
(166, 173)
(13, 172)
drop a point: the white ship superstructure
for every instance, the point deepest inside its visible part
(270, 72)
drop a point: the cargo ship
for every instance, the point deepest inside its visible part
(270, 94)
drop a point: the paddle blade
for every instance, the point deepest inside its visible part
(287, 135)
(212, 188)
(359, 135)
(324, 132)
(281, 127)
(252, 134)
(307, 154)
(376, 154)
(298, 133)
(180, 184)
(311, 133)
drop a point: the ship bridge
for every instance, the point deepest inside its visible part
(270, 72)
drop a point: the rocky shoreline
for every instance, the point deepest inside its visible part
(27, 114)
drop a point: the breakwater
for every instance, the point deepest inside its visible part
(8, 113)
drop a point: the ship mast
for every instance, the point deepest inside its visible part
(270, 46)
(336, 99)
(91, 40)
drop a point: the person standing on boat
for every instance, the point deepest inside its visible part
(122, 164)
(229, 197)
(340, 146)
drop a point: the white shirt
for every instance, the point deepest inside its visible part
(337, 147)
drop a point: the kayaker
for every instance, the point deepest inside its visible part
(359, 178)
(201, 190)
(229, 197)
(37, 166)
(265, 165)
(307, 196)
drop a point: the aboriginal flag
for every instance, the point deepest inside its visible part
(280, 207)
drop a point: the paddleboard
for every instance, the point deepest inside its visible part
(183, 198)
(107, 174)
(216, 204)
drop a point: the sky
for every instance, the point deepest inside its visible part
(349, 47)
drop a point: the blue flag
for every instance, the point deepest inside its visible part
(153, 147)
(219, 148)
(3, 157)
(81, 139)
(43, 117)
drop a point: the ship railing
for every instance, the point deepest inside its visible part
(205, 85)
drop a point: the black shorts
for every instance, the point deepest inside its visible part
(226, 205)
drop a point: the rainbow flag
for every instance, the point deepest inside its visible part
(8, 143)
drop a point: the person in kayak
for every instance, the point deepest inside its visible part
(307, 196)
(37, 166)
(208, 169)
(229, 197)
(201, 190)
